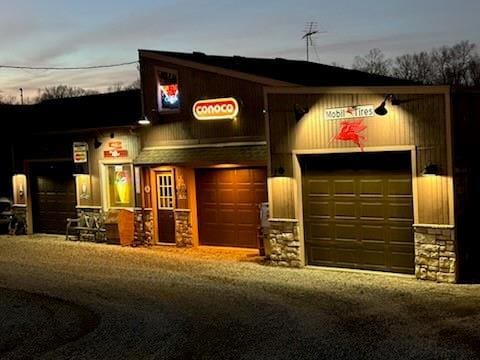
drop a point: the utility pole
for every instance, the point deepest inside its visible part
(21, 95)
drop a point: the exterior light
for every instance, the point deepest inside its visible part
(97, 143)
(279, 171)
(382, 110)
(144, 121)
(299, 111)
(431, 170)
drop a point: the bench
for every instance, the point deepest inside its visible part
(89, 226)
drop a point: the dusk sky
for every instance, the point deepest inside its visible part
(83, 33)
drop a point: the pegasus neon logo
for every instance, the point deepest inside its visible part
(350, 131)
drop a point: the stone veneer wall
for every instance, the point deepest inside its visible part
(143, 227)
(282, 247)
(435, 257)
(183, 228)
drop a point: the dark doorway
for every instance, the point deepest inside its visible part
(53, 196)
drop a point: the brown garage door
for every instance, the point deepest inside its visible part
(358, 211)
(227, 203)
(53, 197)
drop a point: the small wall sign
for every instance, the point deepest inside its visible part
(80, 150)
(115, 150)
(349, 112)
(215, 109)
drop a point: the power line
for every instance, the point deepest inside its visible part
(67, 68)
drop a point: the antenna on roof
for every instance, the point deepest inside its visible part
(310, 30)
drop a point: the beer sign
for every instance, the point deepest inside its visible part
(80, 152)
(215, 109)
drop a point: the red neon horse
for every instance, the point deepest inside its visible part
(349, 131)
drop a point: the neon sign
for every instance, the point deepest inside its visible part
(350, 131)
(215, 109)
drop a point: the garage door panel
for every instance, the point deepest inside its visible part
(246, 217)
(345, 231)
(344, 187)
(319, 209)
(400, 211)
(209, 196)
(369, 197)
(320, 256)
(321, 231)
(400, 234)
(371, 187)
(399, 187)
(245, 196)
(372, 232)
(374, 257)
(226, 196)
(342, 209)
(234, 196)
(319, 187)
(226, 216)
(372, 211)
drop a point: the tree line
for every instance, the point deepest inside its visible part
(458, 64)
(65, 91)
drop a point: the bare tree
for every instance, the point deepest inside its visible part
(61, 92)
(374, 63)
(416, 67)
(452, 63)
(120, 87)
(9, 99)
(474, 70)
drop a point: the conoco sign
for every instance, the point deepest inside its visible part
(215, 109)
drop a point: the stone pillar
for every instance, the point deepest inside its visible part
(435, 256)
(282, 247)
(143, 222)
(183, 228)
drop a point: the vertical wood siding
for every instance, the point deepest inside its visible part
(420, 122)
(182, 127)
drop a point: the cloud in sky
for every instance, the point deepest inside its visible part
(61, 33)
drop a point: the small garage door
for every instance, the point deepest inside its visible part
(53, 197)
(227, 205)
(358, 211)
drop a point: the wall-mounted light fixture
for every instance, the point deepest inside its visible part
(96, 143)
(431, 170)
(144, 121)
(279, 171)
(381, 109)
(299, 111)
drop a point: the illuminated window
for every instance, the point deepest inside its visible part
(165, 192)
(168, 96)
(120, 185)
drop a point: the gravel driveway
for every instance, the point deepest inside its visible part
(170, 303)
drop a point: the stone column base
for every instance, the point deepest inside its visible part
(435, 257)
(143, 227)
(282, 247)
(183, 228)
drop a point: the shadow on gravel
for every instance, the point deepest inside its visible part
(33, 324)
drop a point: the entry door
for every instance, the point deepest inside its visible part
(166, 204)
